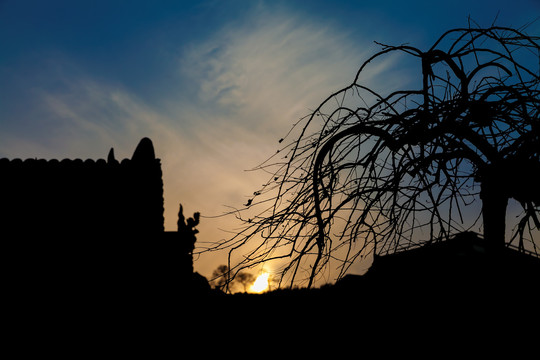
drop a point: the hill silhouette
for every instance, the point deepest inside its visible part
(464, 263)
(463, 280)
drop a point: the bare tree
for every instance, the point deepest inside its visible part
(372, 172)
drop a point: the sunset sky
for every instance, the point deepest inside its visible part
(214, 84)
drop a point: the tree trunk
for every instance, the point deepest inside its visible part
(494, 202)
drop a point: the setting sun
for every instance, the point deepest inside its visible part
(261, 284)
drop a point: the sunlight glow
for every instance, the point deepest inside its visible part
(261, 284)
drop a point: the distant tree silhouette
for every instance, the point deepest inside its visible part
(245, 279)
(219, 276)
(223, 279)
(370, 171)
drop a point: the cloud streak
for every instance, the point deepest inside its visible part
(247, 84)
(255, 79)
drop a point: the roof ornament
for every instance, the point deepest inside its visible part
(110, 157)
(144, 151)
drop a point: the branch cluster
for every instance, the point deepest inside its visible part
(368, 172)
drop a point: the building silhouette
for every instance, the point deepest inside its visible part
(87, 199)
(91, 229)
(462, 269)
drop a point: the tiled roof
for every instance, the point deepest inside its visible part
(82, 196)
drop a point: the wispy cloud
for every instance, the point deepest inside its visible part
(254, 79)
(249, 82)
(275, 66)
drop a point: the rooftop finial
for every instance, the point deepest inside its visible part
(144, 151)
(110, 157)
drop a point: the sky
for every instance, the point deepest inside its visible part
(214, 84)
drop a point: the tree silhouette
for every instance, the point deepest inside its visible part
(219, 276)
(372, 172)
(245, 279)
(223, 279)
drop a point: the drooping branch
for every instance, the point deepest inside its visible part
(370, 170)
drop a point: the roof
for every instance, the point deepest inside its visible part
(466, 256)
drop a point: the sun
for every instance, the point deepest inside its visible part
(260, 284)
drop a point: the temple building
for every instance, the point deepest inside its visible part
(92, 227)
(83, 199)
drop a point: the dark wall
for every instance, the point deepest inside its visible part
(80, 199)
(90, 232)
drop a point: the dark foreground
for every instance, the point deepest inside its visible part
(461, 290)
(346, 319)
(461, 295)
(460, 271)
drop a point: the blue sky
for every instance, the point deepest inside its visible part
(215, 84)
